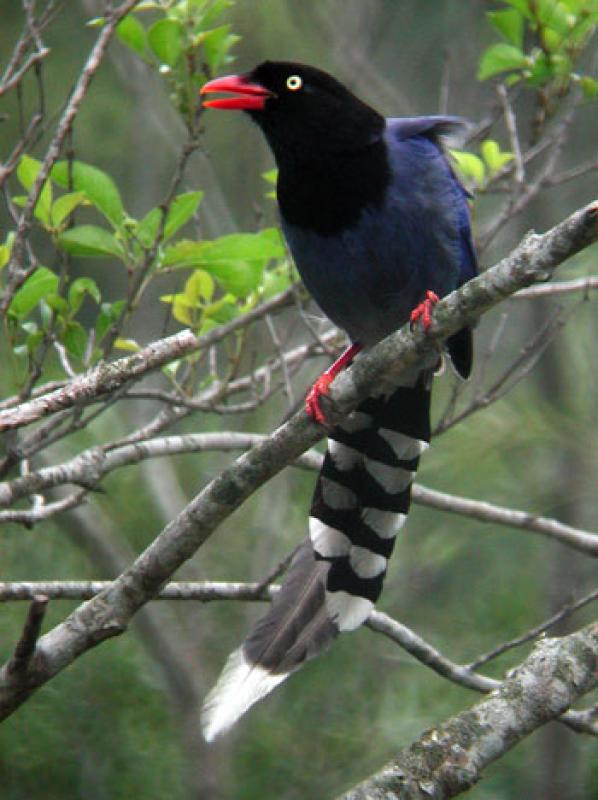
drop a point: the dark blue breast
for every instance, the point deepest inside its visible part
(368, 277)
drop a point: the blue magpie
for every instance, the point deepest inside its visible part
(379, 228)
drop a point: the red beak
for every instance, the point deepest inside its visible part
(249, 96)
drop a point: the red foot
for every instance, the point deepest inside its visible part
(321, 386)
(424, 310)
(312, 401)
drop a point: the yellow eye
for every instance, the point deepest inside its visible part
(294, 83)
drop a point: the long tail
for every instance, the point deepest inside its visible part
(361, 500)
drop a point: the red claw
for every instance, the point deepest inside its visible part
(321, 386)
(424, 310)
(312, 401)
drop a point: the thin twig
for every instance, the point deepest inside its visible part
(511, 125)
(566, 611)
(583, 541)
(512, 374)
(210, 591)
(25, 647)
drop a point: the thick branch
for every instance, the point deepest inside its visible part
(109, 613)
(447, 760)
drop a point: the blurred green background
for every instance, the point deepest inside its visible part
(123, 720)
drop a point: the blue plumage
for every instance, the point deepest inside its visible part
(369, 276)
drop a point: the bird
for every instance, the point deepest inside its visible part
(378, 225)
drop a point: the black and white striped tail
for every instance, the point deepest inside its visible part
(360, 502)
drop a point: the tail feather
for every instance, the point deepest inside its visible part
(296, 628)
(361, 501)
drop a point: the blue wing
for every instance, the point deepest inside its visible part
(433, 129)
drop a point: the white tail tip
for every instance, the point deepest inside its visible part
(240, 685)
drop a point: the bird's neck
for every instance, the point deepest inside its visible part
(326, 191)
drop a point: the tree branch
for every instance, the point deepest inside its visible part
(210, 591)
(584, 541)
(31, 630)
(107, 377)
(109, 613)
(450, 758)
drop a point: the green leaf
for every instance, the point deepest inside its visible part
(127, 344)
(500, 58)
(89, 240)
(589, 87)
(470, 166)
(584, 29)
(132, 34)
(554, 15)
(79, 288)
(214, 10)
(237, 261)
(98, 187)
(4, 255)
(166, 40)
(222, 311)
(237, 277)
(275, 281)
(261, 247)
(493, 156)
(109, 314)
(182, 209)
(65, 205)
(6, 249)
(57, 304)
(27, 173)
(181, 311)
(271, 176)
(200, 286)
(74, 338)
(37, 286)
(523, 6)
(34, 339)
(542, 70)
(216, 44)
(148, 227)
(509, 23)
(552, 39)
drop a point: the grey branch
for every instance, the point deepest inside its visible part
(562, 614)
(109, 613)
(89, 467)
(584, 541)
(449, 759)
(559, 287)
(108, 377)
(209, 591)
(31, 630)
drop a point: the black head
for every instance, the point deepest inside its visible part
(327, 143)
(300, 108)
